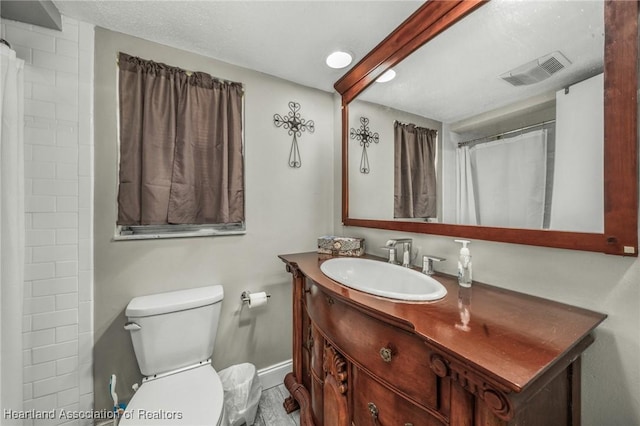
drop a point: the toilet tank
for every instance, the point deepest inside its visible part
(175, 329)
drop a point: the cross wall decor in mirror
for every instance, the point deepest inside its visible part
(365, 136)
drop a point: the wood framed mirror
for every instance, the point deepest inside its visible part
(619, 233)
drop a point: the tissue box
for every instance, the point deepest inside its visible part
(342, 246)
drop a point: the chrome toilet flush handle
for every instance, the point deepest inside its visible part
(132, 326)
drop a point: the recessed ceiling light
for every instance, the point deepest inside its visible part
(387, 76)
(339, 59)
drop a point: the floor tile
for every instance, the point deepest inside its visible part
(271, 412)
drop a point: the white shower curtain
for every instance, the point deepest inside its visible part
(504, 181)
(465, 194)
(12, 228)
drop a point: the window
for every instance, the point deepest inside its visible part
(414, 171)
(181, 152)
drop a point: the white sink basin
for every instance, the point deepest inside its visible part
(383, 279)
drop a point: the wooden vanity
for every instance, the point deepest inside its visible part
(484, 356)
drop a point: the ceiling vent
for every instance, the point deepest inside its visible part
(536, 70)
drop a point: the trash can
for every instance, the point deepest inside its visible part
(242, 390)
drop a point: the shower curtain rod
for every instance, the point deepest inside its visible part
(489, 138)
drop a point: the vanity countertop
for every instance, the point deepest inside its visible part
(513, 336)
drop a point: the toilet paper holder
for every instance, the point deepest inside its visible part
(245, 296)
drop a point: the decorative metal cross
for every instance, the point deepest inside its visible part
(365, 137)
(295, 125)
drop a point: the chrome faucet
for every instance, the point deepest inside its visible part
(427, 263)
(392, 255)
(406, 252)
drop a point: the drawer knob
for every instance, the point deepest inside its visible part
(373, 410)
(439, 366)
(385, 354)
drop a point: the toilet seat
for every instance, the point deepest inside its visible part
(191, 397)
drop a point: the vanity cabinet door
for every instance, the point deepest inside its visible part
(376, 405)
(336, 408)
(313, 374)
(305, 378)
(316, 349)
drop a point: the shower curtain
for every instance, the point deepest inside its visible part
(465, 195)
(503, 183)
(12, 228)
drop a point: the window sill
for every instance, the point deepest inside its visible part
(186, 234)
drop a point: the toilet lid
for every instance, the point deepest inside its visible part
(193, 397)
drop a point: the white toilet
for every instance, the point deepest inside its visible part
(173, 336)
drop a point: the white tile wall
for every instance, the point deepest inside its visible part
(58, 296)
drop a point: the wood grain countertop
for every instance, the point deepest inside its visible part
(511, 336)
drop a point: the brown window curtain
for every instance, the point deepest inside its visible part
(415, 172)
(180, 146)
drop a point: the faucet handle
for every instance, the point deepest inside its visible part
(392, 254)
(427, 263)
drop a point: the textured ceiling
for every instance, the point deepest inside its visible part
(452, 78)
(456, 75)
(287, 39)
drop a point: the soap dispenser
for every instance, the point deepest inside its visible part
(464, 264)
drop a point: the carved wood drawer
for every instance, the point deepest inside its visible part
(388, 353)
(375, 405)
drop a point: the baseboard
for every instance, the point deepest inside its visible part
(273, 375)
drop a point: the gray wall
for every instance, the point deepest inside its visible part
(286, 210)
(604, 283)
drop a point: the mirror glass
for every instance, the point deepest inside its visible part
(514, 92)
